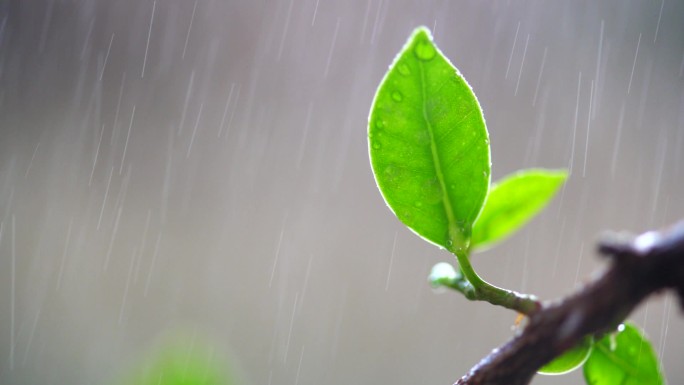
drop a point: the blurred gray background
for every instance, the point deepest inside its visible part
(203, 164)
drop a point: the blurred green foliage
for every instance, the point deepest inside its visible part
(181, 359)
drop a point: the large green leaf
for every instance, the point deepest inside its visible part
(429, 146)
(630, 360)
(512, 202)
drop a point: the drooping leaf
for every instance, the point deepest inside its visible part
(570, 360)
(512, 202)
(629, 359)
(428, 145)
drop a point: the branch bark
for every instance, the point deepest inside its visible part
(640, 266)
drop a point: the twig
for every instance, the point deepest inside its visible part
(640, 266)
(522, 303)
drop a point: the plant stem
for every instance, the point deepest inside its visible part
(477, 289)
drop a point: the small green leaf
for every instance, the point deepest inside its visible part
(570, 360)
(512, 202)
(630, 360)
(429, 146)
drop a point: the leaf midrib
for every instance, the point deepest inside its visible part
(452, 224)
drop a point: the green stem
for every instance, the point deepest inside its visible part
(468, 271)
(477, 289)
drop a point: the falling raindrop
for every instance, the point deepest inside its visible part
(187, 36)
(149, 34)
(289, 333)
(33, 156)
(128, 136)
(510, 57)
(194, 131)
(127, 287)
(391, 262)
(586, 143)
(539, 77)
(104, 65)
(636, 54)
(332, 48)
(574, 127)
(65, 253)
(522, 64)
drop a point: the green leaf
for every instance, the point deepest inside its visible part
(629, 359)
(181, 360)
(570, 360)
(512, 202)
(429, 146)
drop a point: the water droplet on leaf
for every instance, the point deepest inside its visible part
(424, 50)
(397, 96)
(432, 192)
(404, 69)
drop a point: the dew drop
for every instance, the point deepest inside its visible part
(404, 69)
(424, 50)
(376, 146)
(432, 192)
(397, 96)
(379, 124)
(391, 172)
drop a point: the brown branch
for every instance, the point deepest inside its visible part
(640, 266)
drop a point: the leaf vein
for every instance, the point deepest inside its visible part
(452, 225)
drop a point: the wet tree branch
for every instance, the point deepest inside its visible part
(640, 266)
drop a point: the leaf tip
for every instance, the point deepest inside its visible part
(422, 32)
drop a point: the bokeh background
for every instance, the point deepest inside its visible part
(202, 165)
